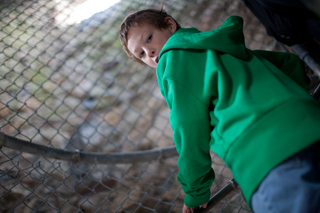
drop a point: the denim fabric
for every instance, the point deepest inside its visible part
(293, 186)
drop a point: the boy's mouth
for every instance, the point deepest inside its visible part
(157, 59)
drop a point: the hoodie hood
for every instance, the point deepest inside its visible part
(228, 38)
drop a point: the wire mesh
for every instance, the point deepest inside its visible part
(67, 84)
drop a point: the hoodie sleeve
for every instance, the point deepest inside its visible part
(189, 119)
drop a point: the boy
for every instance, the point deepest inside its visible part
(249, 107)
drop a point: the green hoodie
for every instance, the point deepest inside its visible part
(250, 107)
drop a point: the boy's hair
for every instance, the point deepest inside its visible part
(149, 16)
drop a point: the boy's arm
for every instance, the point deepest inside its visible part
(189, 119)
(288, 63)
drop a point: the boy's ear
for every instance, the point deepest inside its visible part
(172, 25)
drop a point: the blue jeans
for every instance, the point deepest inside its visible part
(292, 186)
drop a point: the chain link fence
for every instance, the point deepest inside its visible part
(83, 129)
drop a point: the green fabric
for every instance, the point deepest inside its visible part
(245, 105)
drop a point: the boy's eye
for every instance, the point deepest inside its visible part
(141, 54)
(148, 40)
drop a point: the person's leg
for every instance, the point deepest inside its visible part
(284, 7)
(288, 28)
(293, 186)
(313, 26)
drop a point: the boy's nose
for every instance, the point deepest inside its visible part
(150, 52)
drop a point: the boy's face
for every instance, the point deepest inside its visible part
(146, 41)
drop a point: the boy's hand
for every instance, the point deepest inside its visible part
(187, 209)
